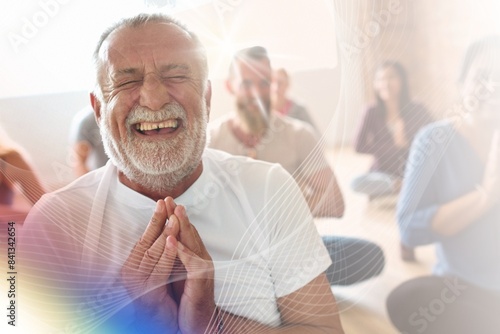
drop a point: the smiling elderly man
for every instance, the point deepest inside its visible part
(169, 236)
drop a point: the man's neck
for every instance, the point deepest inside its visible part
(173, 192)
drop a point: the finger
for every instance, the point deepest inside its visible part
(184, 223)
(155, 226)
(129, 270)
(178, 270)
(153, 272)
(203, 253)
(152, 256)
(191, 238)
(169, 202)
(173, 226)
(196, 267)
(162, 269)
(186, 234)
(135, 258)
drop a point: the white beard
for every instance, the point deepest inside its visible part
(157, 166)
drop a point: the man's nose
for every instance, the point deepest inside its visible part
(257, 91)
(154, 93)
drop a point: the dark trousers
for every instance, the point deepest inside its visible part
(353, 260)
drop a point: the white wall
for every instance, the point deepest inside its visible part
(41, 125)
(47, 45)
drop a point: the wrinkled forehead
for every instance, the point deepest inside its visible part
(149, 44)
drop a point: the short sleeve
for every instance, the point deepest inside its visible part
(297, 254)
(309, 151)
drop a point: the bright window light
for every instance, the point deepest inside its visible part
(48, 44)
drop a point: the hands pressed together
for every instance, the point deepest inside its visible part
(170, 275)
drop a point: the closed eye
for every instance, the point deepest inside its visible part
(128, 83)
(177, 78)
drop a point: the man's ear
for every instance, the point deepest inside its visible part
(96, 105)
(229, 86)
(208, 97)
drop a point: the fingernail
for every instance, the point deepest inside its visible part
(158, 207)
(170, 223)
(170, 243)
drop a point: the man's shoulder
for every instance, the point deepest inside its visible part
(215, 157)
(75, 199)
(82, 187)
(291, 126)
(241, 167)
(432, 141)
(437, 128)
(243, 179)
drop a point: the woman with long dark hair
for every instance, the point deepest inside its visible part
(386, 132)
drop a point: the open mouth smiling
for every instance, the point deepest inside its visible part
(157, 128)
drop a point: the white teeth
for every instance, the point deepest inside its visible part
(146, 126)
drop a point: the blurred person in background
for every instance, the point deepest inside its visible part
(254, 130)
(451, 198)
(86, 141)
(282, 103)
(16, 173)
(386, 132)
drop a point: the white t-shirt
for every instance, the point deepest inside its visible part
(250, 215)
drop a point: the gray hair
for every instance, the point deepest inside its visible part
(141, 20)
